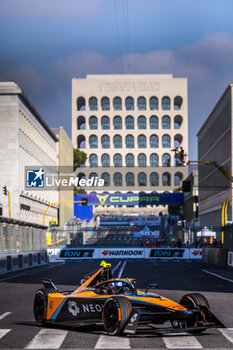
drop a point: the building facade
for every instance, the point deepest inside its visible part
(215, 144)
(25, 140)
(128, 126)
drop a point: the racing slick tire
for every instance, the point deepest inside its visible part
(115, 314)
(40, 306)
(194, 301)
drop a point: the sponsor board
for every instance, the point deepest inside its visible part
(116, 253)
(63, 253)
(167, 253)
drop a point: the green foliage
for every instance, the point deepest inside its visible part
(80, 158)
(78, 190)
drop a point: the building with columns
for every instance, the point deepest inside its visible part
(128, 126)
(215, 144)
(26, 140)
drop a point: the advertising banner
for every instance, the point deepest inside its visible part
(122, 253)
(77, 253)
(167, 253)
(131, 198)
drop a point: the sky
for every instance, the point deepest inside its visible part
(44, 44)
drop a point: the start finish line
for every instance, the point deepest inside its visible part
(76, 253)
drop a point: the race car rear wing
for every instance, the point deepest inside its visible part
(49, 285)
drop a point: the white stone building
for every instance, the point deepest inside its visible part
(128, 126)
(215, 144)
(25, 140)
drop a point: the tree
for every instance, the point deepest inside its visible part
(80, 158)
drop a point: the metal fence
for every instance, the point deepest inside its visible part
(21, 239)
(86, 234)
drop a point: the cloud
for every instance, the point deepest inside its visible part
(30, 81)
(50, 8)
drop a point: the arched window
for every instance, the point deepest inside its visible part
(106, 178)
(154, 160)
(153, 103)
(166, 141)
(141, 179)
(166, 103)
(178, 102)
(178, 177)
(166, 179)
(129, 104)
(178, 140)
(81, 176)
(92, 175)
(129, 122)
(154, 122)
(81, 123)
(129, 141)
(117, 179)
(154, 179)
(81, 142)
(93, 160)
(117, 160)
(93, 105)
(105, 141)
(129, 179)
(142, 160)
(141, 103)
(141, 141)
(105, 104)
(129, 160)
(178, 121)
(117, 123)
(154, 141)
(93, 142)
(141, 122)
(117, 104)
(105, 160)
(117, 141)
(166, 159)
(105, 123)
(81, 104)
(166, 122)
(93, 123)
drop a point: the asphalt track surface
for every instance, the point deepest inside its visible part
(18, 329)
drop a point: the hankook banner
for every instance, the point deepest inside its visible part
(77, 253)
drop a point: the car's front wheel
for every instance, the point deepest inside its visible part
(40, 306)
(115, 314)
(194, 301)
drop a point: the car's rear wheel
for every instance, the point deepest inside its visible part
(115, 314)
(40, 306)
(194, 301)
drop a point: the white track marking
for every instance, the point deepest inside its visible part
(114, 269)
(109, 342)
(181, 341)
(4, 315)
(4, 332)
(219, 276)
(48, 339)
(122, 269)
(227, 333)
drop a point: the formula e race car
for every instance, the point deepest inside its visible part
(120, 307)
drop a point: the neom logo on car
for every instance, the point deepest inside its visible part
(76, 253)
(167, 253)
(122, 252)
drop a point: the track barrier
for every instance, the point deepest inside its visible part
(16, 262)
(77, 253)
